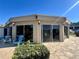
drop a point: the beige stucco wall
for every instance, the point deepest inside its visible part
(37, 33)
(13, 32)
(62, 33)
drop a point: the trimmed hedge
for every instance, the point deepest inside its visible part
(31, 51)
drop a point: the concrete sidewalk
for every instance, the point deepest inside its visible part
(6, 53)
(69, 49)
(6, 50)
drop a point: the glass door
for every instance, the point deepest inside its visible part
(29, 33)
(47, 33)
(55, 32)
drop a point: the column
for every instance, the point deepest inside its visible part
(61, 33)
(7, 31)
(73, 27)
(68, 32)
(37, 33)
(24, 30)
(34, 33)
(13, 32)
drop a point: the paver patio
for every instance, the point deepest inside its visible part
(69, 49)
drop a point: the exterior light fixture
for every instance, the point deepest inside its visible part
(13, 23)
(67, 22)
(39, 22)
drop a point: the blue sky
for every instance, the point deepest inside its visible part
(12, 8)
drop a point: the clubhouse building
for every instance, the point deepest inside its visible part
(38, 28)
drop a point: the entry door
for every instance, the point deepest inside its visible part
(55, 32)
(29, 33)
(47, 33)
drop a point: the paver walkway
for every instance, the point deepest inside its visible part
(6, 53)
(69, 49)
(6, 50)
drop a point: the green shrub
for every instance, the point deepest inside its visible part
(31, 51)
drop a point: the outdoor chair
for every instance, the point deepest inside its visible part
(7, 39)
(18, 40)
(1, 38)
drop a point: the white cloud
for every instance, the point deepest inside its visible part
(68, 10)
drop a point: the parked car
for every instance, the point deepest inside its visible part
(77, 32)
(71, 32)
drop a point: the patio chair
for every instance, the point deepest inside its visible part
(7, 39)
(19, 40)
(1, 38)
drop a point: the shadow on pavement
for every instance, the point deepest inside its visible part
(5, 45)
